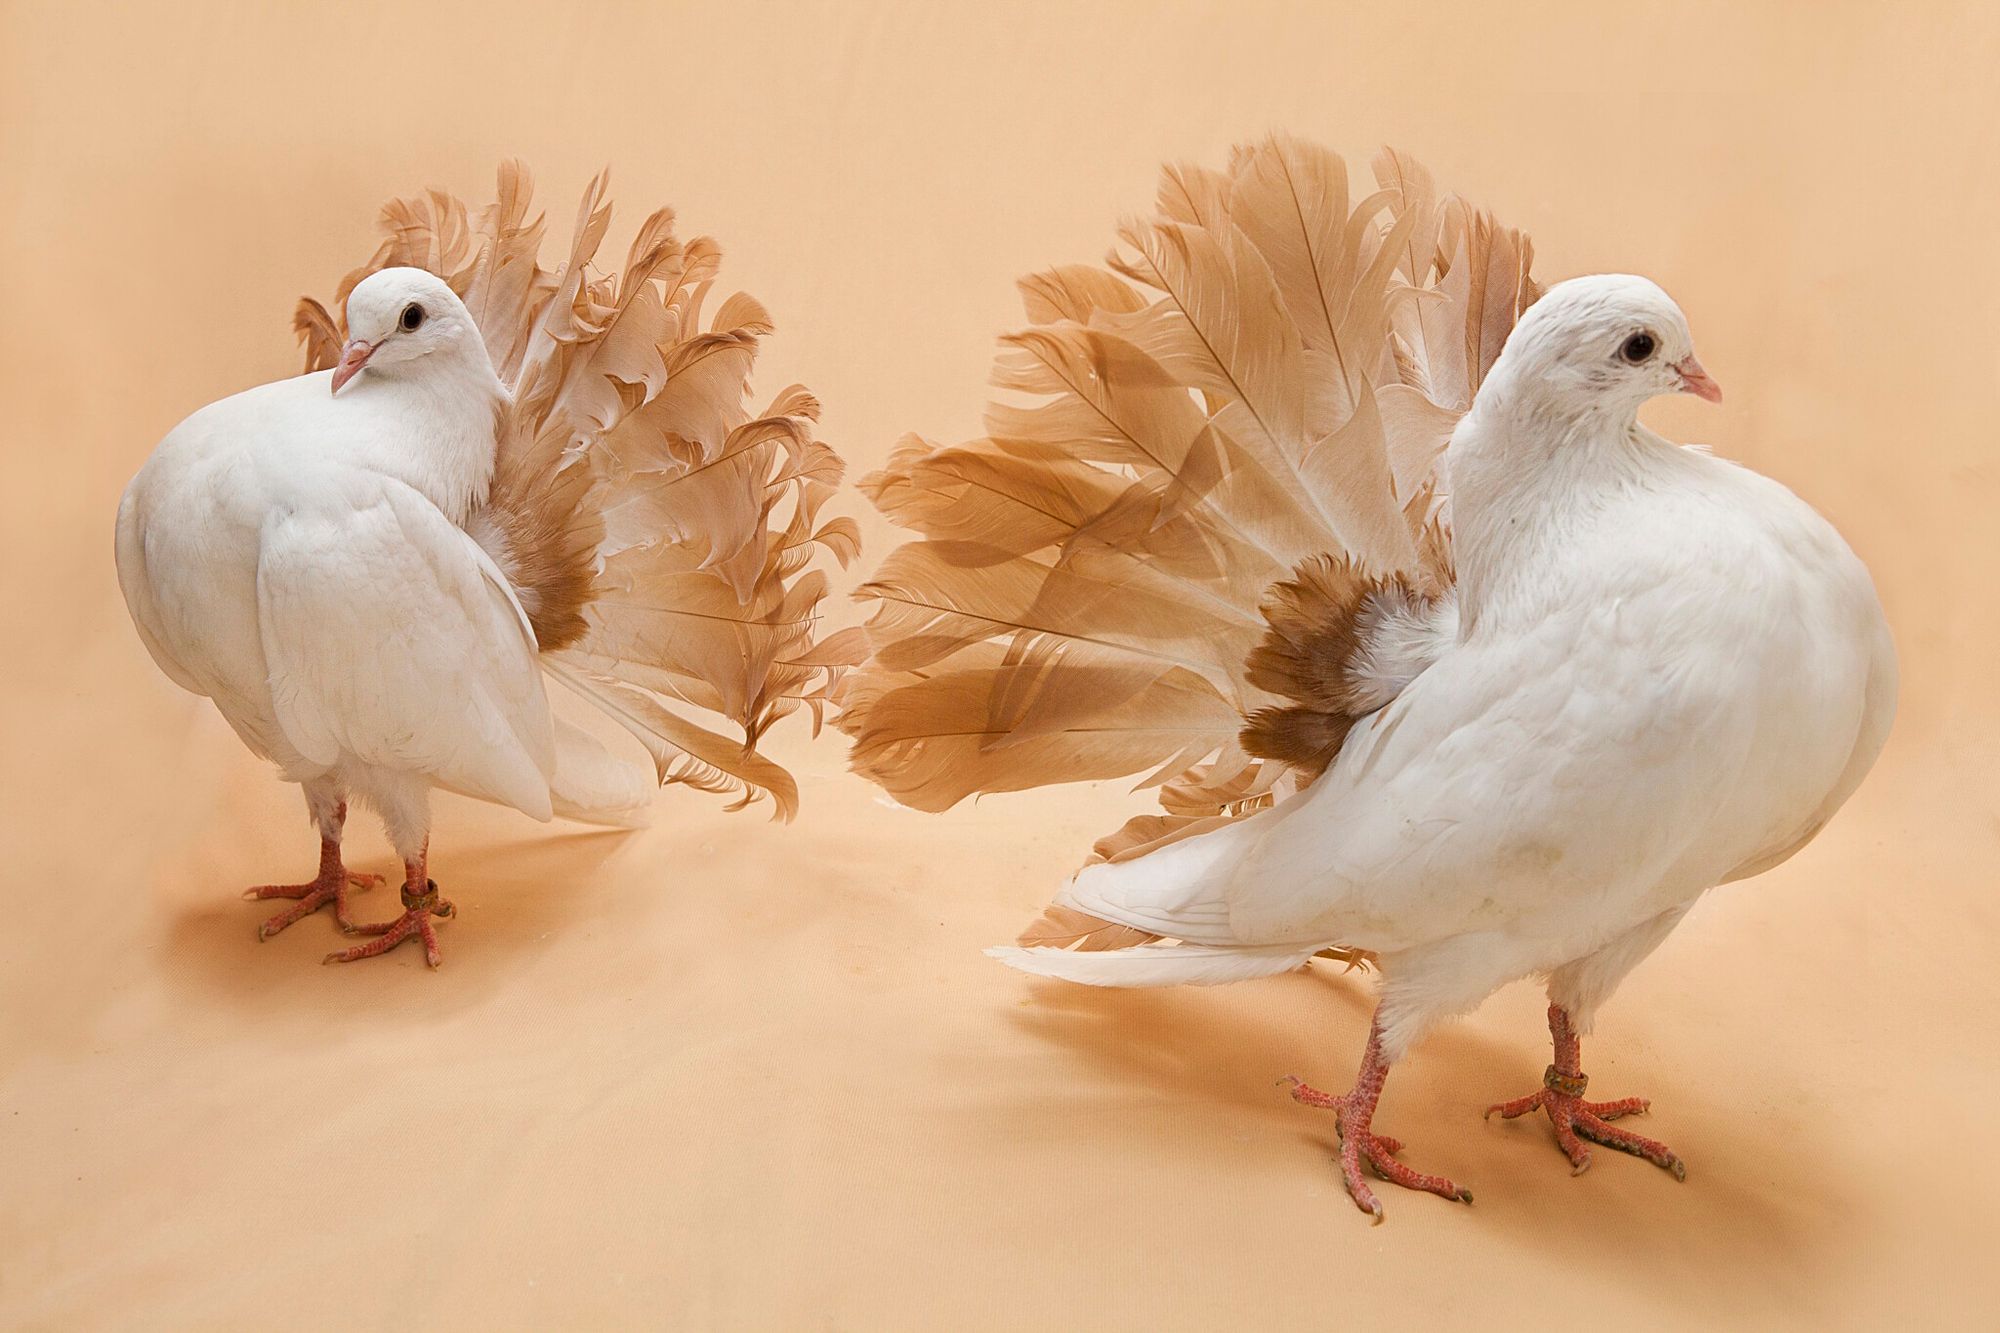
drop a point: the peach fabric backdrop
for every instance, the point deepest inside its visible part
(730, 1074)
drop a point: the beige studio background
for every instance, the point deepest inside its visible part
(730, 1074)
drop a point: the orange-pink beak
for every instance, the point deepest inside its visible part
(1694, 380)
(352, 358)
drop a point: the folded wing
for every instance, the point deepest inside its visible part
(389, 635)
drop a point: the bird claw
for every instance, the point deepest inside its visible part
(358, 880)
(1576, 1120)
(1359, 1144)
(332, 887)
(414, 923)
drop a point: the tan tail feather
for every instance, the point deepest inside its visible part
(548, 531)
(1067, 928)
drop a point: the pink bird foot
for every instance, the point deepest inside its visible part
(414, 923)
(331, 885)
(1353, 1112)
(1576, 1119)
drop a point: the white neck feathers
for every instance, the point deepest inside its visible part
(1526, 468)
(440, 420)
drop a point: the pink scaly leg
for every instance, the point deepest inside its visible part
(1353, 1111)
(420, 904)
(1576, 1119)
(329, 886)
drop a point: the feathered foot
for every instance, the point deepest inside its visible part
(331, 885)
(1353, 1111)
(420, 903)
(1576, 1119)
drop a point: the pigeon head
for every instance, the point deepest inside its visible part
(1607, 344)
(399, 317)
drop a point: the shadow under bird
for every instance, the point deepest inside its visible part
(1337, 528)
(495, 475)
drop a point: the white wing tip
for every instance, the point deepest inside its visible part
(629, 817)
(1154, 964)
(1046, 961)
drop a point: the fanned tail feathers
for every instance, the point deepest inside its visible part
(662, 537)
(1207, 529)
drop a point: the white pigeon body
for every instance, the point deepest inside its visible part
(1667, 672)
(298, 556)
(496, 472)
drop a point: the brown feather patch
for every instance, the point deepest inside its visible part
(547, 534)
(1307, 655)
(1299, 737)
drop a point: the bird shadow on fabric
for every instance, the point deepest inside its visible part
(1758, 1201)
(1217, 1046)
(509, 896)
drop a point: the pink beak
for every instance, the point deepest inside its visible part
(1694, 380)
(352, 358)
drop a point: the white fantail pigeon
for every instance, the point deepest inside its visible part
(494, 475)
(1476, 713)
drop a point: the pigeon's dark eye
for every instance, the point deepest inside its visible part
(413, 316)
(1636, 349)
